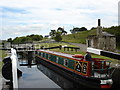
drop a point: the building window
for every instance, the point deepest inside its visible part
(105, 45)
(89, 43)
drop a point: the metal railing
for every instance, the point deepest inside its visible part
(103, 70)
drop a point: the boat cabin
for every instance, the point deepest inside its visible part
(98, 68)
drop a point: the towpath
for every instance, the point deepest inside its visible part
(83, 47)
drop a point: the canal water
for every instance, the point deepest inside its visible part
(34, 78)
(40, 76)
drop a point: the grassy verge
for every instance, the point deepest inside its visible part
(54, 44)
(2, 55)
(0, 66)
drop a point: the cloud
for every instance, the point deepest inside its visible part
(13, 10)
(22, 17)
(22, 29)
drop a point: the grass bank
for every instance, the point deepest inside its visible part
(54, 44)
(2, 55)
(79, 37)
(0, 66)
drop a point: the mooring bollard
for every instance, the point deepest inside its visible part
(7, 68)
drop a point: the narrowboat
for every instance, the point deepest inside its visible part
(95, 74)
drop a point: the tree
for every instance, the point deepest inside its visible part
(28, 38)
(58, 37)
(75, 30)
(35, 37)
(83, 29)
(93, 28)
(9, 40)
(62, 31)
(52, 33)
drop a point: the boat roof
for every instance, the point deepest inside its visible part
(61, 54)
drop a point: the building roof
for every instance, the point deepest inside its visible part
(104, 34)
(107, 34)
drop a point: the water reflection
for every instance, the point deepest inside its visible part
(26, 59)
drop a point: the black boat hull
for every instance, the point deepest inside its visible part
(85, 81)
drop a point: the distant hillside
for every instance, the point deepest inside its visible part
(80, 37)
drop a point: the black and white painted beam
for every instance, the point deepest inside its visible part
(104, 53)
(14, 68)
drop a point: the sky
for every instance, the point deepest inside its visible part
(26, 17)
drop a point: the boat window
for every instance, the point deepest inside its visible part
(49, 56)
(41, 54)
(44, 55)
(65, 62)
(57, 58)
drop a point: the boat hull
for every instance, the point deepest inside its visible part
(79, 79)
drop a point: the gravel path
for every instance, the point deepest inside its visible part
(83, 47)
